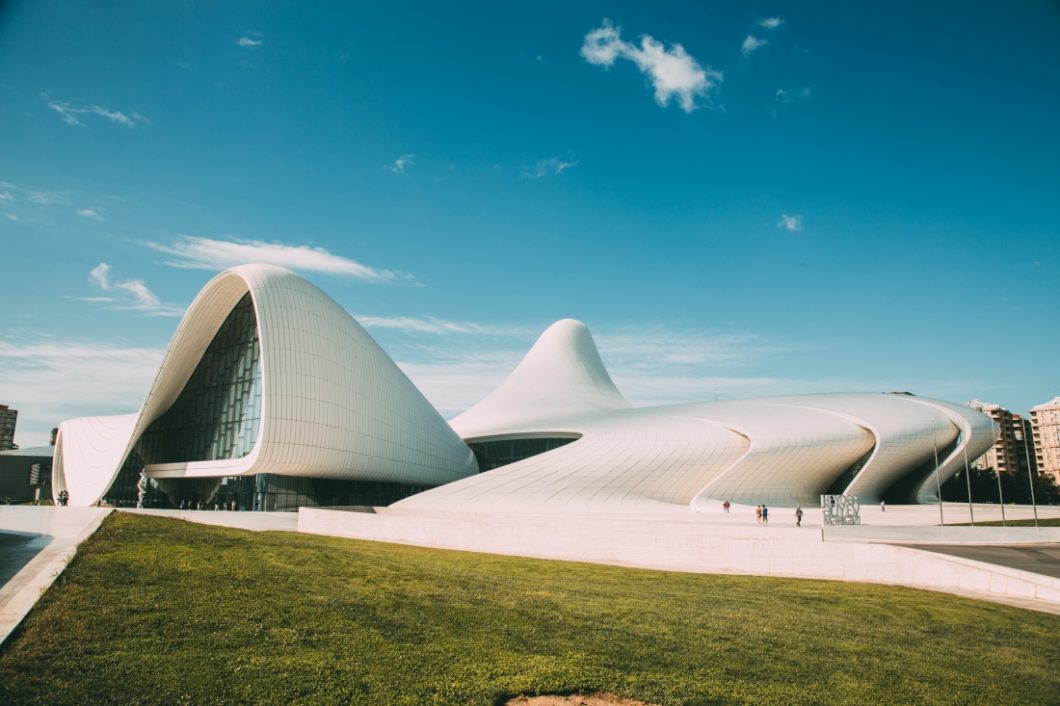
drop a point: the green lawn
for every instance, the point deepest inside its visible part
(1042, 522)
(157, 611)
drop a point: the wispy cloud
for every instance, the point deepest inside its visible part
(10, 216)
(250, 40)
(401, 164)
(457, 363)
(132, 294)
(673, 72)
(548, 167)
(433, 325)
(771, 22)
(790, 95)
(72, 114)
(89, 213)
(193, 252)
(10, 193)
(752, 44)
(48, 381)
(790, 223)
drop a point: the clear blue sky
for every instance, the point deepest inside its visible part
(804, 197)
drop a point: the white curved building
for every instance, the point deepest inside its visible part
(266, 375)
(606, 456)
(272, 396)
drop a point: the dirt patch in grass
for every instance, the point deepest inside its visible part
(575, 700)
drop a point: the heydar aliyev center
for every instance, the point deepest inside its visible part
(272, 397)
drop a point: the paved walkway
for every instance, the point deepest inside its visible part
(1037, 558)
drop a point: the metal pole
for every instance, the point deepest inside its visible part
(968, 479)
(1030, 476)
(1000, 497)
(938, 483)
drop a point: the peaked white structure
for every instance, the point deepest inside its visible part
(594, 453)
(562, 375)
(272, 395)
(266, 374)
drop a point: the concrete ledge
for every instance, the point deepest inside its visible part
(944, 535)
(695, 547)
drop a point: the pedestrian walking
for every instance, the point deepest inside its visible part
(758, 514)
(798, 515)
(883, 506)
(765, 515)
(725, 507)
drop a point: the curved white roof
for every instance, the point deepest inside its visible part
(780, 450)
(333, 404)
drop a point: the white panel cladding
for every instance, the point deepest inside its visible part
(782, 450)
(562, 374)
(626, 460)
(336, 405)
(796, 452)
(906, 435)
(978, 433)
(333, 403)
(89, 452)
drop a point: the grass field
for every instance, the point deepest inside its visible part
(1042, 522)
(157, 611)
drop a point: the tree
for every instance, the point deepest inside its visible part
(1014, 487)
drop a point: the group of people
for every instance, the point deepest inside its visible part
(194, 504)
(762, 513)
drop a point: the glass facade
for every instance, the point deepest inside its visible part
(273, 493)
(494, 454)
(218, 411)
(123, 492)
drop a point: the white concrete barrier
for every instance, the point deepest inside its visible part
(694, 547)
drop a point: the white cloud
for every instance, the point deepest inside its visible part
(48, 381)
(209, 254)
(771, 22)
(752, 44)
(433, 325)
(790, 95)
(400, 164)
(548, 167)
(135, 295)
(10, 216)
(652, 364)
(790, 223)
(250, 42)
(72, 114)
(12, 192)
(673, 72)
(89, 213)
